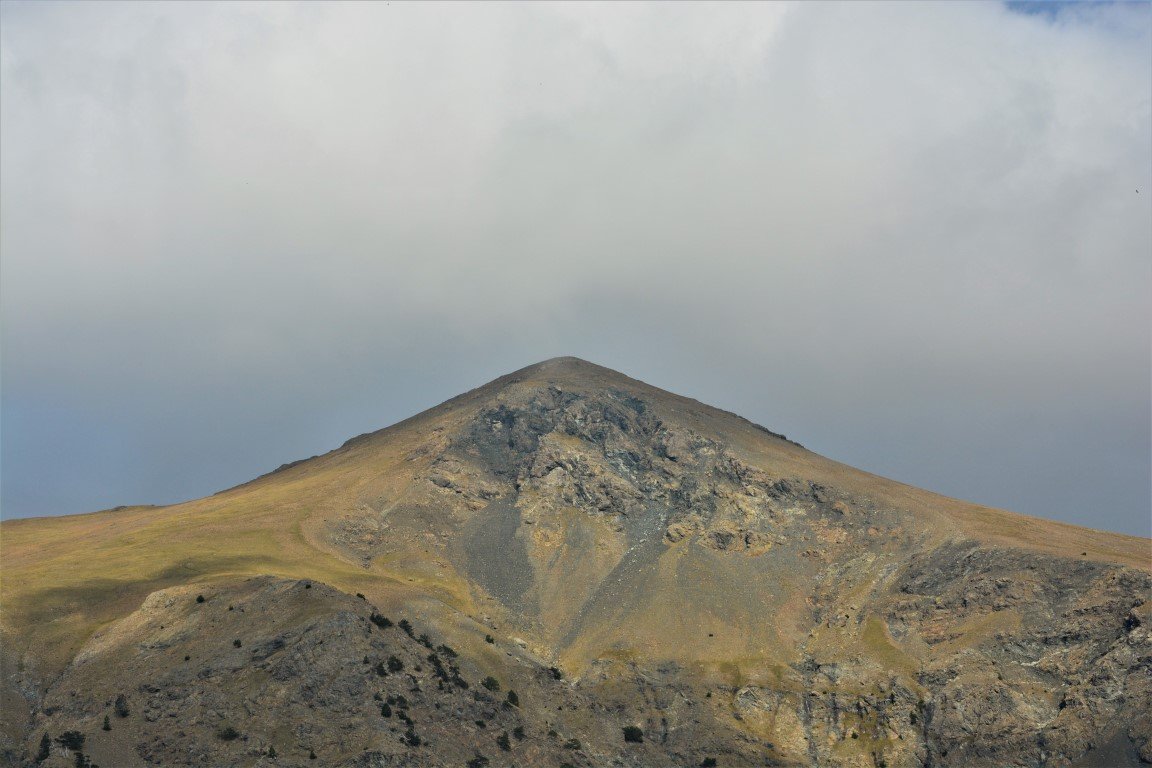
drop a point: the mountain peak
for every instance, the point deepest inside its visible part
(569, 368)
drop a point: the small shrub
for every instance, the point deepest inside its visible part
(447, 650)
(708, 762)
(410, 737)
(394, 664)
(573, 744)
(556, 673)
(311, 754)
(425, 641)
(271, 751)
(386, 710)
(187, 658)
(381, 669)
(107, 725)
(361, 595)
(491, 683)
(478, 762)
(489, 639)
(513, 699)
(503, 742)
(407, 627)
(199, 598)
(237, 643)
(227, 733)
(307, 586)
(633, 734)
(518, 732)
(381, 621)
(481, 724)
(45, 748)
(73, 740)
(121, 706)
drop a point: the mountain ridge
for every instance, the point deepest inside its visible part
(721, 585)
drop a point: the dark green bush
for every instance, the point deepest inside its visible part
(45, 748)
(227, 733)
(503, 742)
(73, 740)
(513, 699)
(633, 734)
(491, 683)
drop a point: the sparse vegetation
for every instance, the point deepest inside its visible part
(491, 683)
(227, 733)
(479, 761)
(503, 742)
(121, 706)
(394, 664)
(381, 621)
(573, 744)
(407, 627)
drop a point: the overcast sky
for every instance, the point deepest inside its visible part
(917, 238)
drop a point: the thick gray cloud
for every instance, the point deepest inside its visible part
(907, 235)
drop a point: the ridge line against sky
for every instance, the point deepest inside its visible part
(908, 235)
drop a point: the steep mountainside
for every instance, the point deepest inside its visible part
(657, 581)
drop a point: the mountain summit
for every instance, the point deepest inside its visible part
(658, 581)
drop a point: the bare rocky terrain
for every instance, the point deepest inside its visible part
(570, 567)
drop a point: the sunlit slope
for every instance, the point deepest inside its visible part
(322, 519)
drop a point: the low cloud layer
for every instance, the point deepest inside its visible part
(915, 237)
